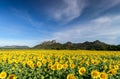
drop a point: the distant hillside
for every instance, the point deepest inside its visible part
(95, 45)
(14, 47)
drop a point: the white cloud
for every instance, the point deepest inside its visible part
(70, 10)
(103, 28)
(103, 20)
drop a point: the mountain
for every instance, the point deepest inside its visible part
(14, 47)
(95, 45)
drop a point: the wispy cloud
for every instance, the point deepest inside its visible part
(69, 10)
(102, 20)
(110, 3)
(72, 9)
(102, 28)
(27, 17)
(104, 5)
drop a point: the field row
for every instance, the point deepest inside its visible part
(59, 64)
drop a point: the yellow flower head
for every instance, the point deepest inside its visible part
(3, 74)
(49, 65)
(95, 74)
(71, 76)
(72, 65)
(82, 70)
(32, 65)
(87, 62)
(29, 62)
(53, 67)
(65, 66)
(59, 66)
(12, 76)
(95, 62)
(112, 72)
(116, 67)
(39, 64)
(103, 75)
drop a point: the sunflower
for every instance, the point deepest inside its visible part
(82, 70)
(3, 74)
(65, 66)
(39, 64)
(29, 62)
(88, 63)
(53, 67)
(72, 65)
(32, 65)
(112, 72)
(49, 65)
(71, 76)
(59, 66)
(103, 75)
(95, 62)
(44, 61)
(95, 74)
(116, 67)
(12, 76)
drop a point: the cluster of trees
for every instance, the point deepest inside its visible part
(95, 45)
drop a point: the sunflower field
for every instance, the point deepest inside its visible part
(59, 64)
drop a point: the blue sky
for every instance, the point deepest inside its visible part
(30, 22)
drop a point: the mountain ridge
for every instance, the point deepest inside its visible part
(95, 45)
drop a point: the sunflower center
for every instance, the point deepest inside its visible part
(95, 73)
(102, 76)
(82, 71)
(3, 75)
